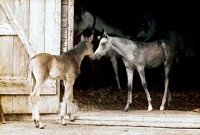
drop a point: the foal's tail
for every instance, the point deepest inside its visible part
(29, 73)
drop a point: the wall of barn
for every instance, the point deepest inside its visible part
(67, 25)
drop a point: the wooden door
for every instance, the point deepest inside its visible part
(27, 27)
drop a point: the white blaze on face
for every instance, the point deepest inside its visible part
(103, 43)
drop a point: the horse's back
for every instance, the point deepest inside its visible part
(40, 60)
(162, 43)
(54, 66)
(41, 57)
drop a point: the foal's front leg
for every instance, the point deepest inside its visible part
(115, 67)
(144, 85)
(67, 100)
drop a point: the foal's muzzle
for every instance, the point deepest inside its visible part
(92, 57)
(97, 56)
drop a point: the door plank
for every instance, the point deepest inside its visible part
(37, 24)
(52, 27)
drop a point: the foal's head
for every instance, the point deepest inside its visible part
(89, 46)
(104, 46)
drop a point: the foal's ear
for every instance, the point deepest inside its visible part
(101, 34)
(91, 38)
(82, 37)
(105, 34)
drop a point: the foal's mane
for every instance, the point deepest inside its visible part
(79, 47)
(115, 35)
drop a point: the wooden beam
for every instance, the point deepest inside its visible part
(19, 87)
(64, 23)
(70, 32)
(18, 28)
(6, 29)
(67, 25)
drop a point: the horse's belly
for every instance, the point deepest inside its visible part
(154, 56)
(153, 62)
(55, 74)
(56, 69)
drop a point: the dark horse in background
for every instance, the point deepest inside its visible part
(84, 21)
(186, 44)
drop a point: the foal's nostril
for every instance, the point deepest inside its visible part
(98, 56)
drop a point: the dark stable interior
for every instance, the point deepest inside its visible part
(128, 17)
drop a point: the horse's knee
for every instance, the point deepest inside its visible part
(34, 98)
(68, 98)
(144, 85)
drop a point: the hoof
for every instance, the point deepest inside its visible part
(168, 108)
(161, 108)
(36, 123)
(75, 118)
(41, 127)
(125, 110)
(119, 88)
(150, 108)
(64, 124)
(57, 121)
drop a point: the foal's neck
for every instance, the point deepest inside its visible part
(79, 59)
(79, 53)
(121, 47)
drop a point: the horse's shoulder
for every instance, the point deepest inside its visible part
(71, 64)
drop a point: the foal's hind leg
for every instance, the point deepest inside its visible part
(169, 99)
(33, 107)
(166, 92)
(35, 95)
